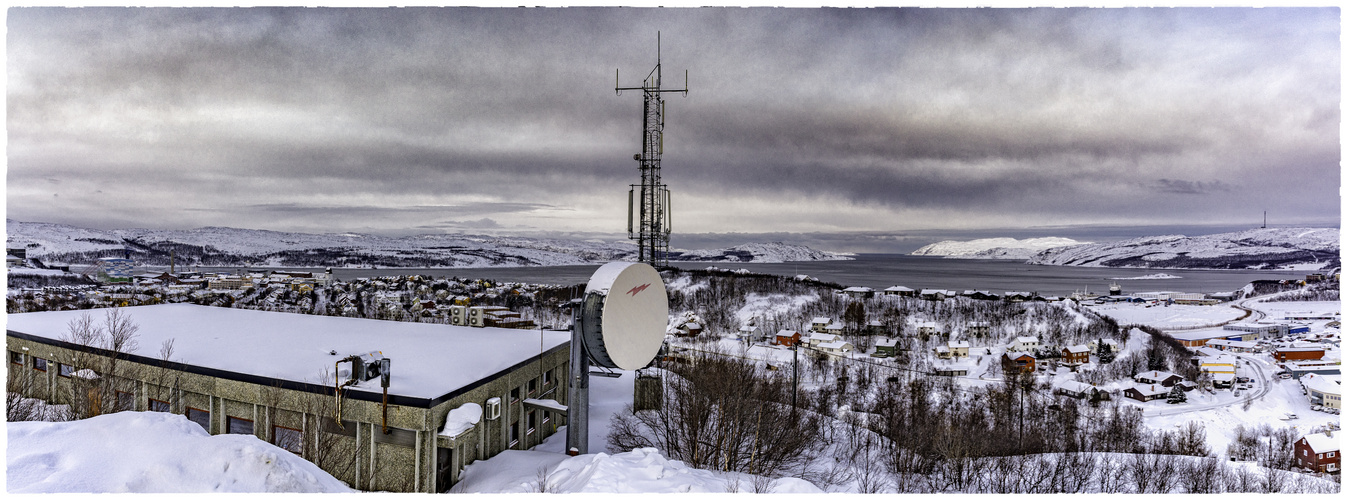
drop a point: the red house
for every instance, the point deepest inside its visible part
(787, 338)
(1021, 362)
(1076, 354)
(1319, 452)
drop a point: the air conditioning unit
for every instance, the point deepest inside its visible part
(477, 317)
(367, 366)
(493, 408)
(458, 315)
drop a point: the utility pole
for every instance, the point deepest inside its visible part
(655, 223)
(795, 377)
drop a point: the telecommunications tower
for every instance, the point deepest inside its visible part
(653, 205)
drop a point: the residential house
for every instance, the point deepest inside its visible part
(1022, 362)
(1018, 296)
(951, 371)
(1323, 390)
(885, 348)
(1076, 354)
(1024, 344)
(1164, 379)
(788, 338)
(935, 294)
(1146, 392)
(750, 333)
(819, 323)
(1075, 389)
(821, 338)
(942, 352)
(859, 292)
(1320, 452)
(1094, 345)
(978, 329)
(928, 328)
(980, 295)
(1222, 380)
(688, 329)
(836, 347)
(958, 348)
(900, 291)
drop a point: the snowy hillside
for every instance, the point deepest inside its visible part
(222, 246)
(994, 248)
(148, 452)
(1300, 248)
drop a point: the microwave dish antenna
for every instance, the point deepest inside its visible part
(619, 324)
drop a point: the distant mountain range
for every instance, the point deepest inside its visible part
(223, 246)
(1269, 248)
(994, 248)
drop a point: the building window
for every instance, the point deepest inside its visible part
(533, 386)
(126, 401)
(291, 440)
(1332, 454)
(514, 433)
(157, 405)
(40, 364)
(239, 425)
(514, 395)
(16, 357)
(547, 377)
(547, 416)
(201, 417)
(64, 370)
(533, 421)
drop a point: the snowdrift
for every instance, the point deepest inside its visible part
(637, 471)
(150, 452)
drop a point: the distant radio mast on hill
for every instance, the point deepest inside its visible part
(653, 206)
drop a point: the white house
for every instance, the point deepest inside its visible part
(836, 347)
(816, 339)
(1024, 344)
(819, 323)
(958, 348)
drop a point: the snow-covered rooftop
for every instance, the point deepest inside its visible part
(428, 360)
(1323, 443)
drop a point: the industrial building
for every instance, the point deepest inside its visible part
(366, 400)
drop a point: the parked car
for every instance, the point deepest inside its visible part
(1242, 379)
(1316, 407)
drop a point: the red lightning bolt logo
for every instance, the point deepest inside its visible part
(637, 290)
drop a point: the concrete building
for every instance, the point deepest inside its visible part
(276, 375)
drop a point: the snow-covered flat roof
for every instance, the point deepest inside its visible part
(428, 360)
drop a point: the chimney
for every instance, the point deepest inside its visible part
(1328, 432)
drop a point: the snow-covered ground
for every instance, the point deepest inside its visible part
(1166, 317)
(149, 452)
(1301, 248)
(994, 248)
(267, 248)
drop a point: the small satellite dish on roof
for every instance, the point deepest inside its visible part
(624, 315)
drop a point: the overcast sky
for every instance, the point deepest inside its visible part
(832, 124)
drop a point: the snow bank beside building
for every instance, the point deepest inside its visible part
(637, 471)
(148, 452)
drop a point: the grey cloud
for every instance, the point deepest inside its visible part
(970, 112)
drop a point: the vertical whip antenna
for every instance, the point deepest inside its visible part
(653, 204)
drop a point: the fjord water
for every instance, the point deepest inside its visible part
(880, 271)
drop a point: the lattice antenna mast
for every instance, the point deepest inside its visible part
(653, 206)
